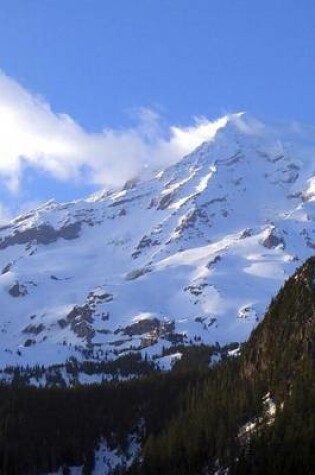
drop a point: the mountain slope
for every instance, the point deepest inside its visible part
(192, 254)
(253, 414)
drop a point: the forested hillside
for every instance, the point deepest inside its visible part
(278, 359)
(193, 420)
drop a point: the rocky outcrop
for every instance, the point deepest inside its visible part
(145, 242)
(6, 268)
(34, 329)
(272, 240)
(135, 274)
(190, 220)
(149, 325)
(98, 296)
(18, 290)
(80, 320)
(42, 234)
(165, 201)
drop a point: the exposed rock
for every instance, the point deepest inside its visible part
(34, 329)
(104, 331)
(196, 289)
(215, 200)
(235, 158)
(63, 323)
(145, 242)
(127, 200)
(80, 321)
(18, 290)
(273, 159)
(272, 241)
(6, 269)
(214, 261)
(291, 173)
(105, 316)
(247, 312)
(212, 321)
(98, 296)
(24, 217)
(130, 184)
(43, 234)
(29, 342)
(152, 203)
(135, 274)
(149, 325)
(148, 340)
(206, 322)
(248, 232)
(122, 212)
(165, 201)
(190, 219)
(200, 319)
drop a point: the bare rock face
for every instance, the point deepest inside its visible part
(246, 233)
(29, 342)
(145, 242)
(80, 319)
(43, 234)
(190, 220)
(165, 201)
(34, 329)
(99, 296)
(213, 262)
(135, 274)
(132, 183)
(122, 212)
(149, 325)
(196, 289)
(273, 240)
(6, 268)
(18, 290)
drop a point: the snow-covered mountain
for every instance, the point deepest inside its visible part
(192, 254)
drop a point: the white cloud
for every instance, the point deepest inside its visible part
(31, 133)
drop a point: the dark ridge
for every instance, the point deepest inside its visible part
(43, 234)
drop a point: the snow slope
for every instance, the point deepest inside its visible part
(192, 254)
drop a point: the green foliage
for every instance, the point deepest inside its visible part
(43, 429)
(192, 415)
(278, 358)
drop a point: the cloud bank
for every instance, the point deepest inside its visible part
(32, 134)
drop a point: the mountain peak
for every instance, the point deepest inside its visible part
(198, 250)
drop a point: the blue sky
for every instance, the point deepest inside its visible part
(137, 68)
